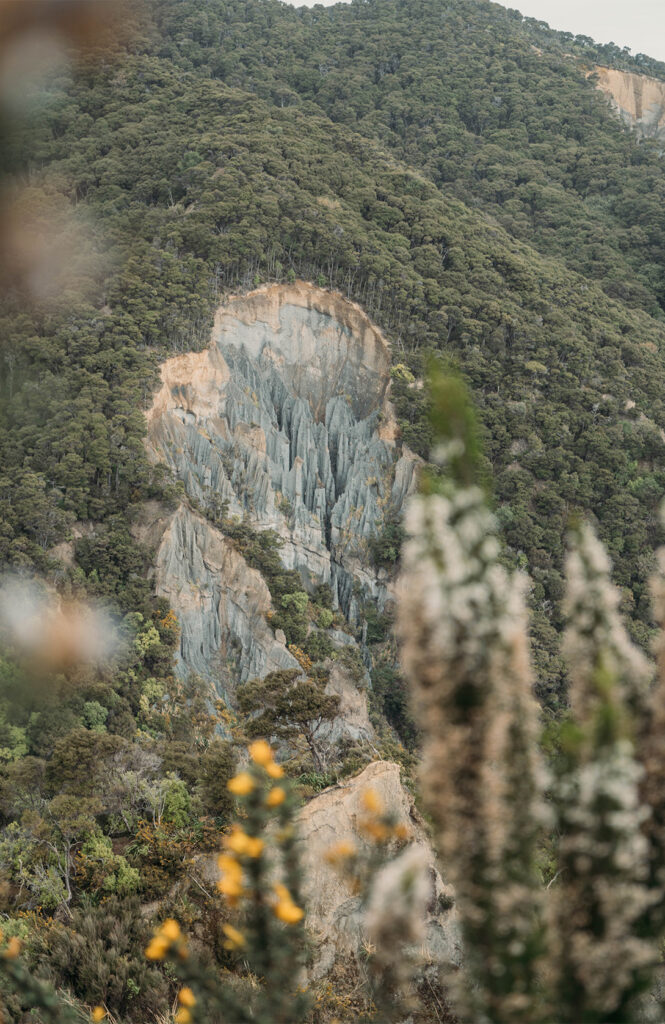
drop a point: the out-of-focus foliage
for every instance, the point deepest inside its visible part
(586, 946)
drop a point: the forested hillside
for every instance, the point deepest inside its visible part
(449, 167)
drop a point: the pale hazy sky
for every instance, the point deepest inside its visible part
(639, 24)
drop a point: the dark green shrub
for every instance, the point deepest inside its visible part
(99, 957)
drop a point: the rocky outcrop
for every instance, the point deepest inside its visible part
(638, 99)
(333, 911)
(221, 604)
(352, 722)
(284, 419)
(322, 344)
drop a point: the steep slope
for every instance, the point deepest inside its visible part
(335, 915)
(492, 107)
(458, 190)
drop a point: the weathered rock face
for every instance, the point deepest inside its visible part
(285, 419)
(352, 722)
(334, 917)
(638, 99)
(221, 604)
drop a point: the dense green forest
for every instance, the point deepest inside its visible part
(446, 165)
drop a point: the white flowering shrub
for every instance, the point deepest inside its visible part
(582, 948)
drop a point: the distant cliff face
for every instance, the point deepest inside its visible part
(286, 419)
(639, 100)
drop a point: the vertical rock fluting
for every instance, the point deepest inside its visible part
(284, 419)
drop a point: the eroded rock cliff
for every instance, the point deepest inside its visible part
(285, 420)
(638, 99)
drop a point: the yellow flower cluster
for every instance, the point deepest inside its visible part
(275, 797)
(372, 802)
(261, 754)
(166, 936)
(186, 1000)
(230, 884)
(239, 845)
(378, 826)
(13, 947)
(241, 784)
(243, 845)
(98, 1014)
(341, 852)
(234, 938)
(285, 909)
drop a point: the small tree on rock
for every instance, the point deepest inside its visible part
(286, 705)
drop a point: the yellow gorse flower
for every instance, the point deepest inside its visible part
(186, 997)
(261, 753)
(276, 796)
(372, 801)
(285, 909)
(227, 863)
(166, 935)
(230, 884)
(157, 948)
(98, 1013)
(242, 844)
(236, 841)
(241, 784)
(13, 948)
(275, 771)
(234, 938)
(254, 846)
(376, 830)
(170, 930)
(183, 1016)
(288, 912)
(340, 851)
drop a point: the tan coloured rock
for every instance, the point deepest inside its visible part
(192, 382)
(286, 418)
(324, 344)
(353, 718)
(638, 99)
(333, 911)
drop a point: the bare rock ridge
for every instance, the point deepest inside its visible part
(638, 99)
(285, 419)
